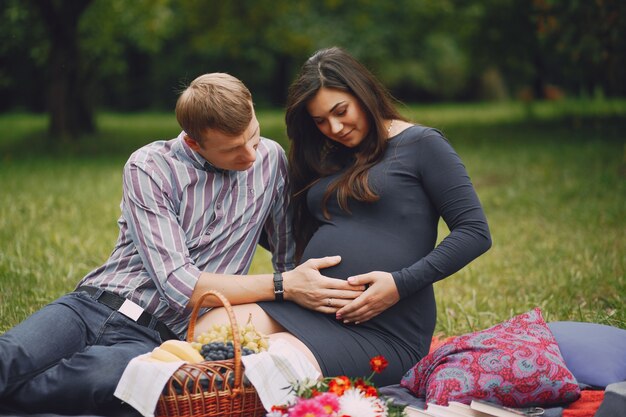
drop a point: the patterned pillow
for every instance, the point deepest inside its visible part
(516, 363)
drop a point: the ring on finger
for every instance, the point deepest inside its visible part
(329, 302)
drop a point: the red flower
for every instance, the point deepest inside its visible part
(371, 391)
(360, 384)
(283, 409)
(378, 363)
(339, 384)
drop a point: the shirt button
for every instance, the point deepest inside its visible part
(218, 205)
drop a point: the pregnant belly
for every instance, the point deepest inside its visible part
(362, 249)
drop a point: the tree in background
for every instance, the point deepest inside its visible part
(68, 93)
(266, 41)
(588, 38)
(94, 54)
(74, 45)
(580, 46)
(129, 51)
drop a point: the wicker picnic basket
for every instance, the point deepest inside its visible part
(211, 388)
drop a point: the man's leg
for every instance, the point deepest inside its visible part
(81, 379)
(49, 335)
(89, 381)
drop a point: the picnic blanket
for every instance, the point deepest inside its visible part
(586, 405)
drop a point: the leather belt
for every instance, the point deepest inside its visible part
(129, 309)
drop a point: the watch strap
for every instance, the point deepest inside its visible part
(278, 286)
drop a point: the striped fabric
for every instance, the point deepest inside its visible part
(181, 216)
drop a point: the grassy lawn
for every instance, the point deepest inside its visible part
(552, 179)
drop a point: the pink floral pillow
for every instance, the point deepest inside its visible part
(516, 363)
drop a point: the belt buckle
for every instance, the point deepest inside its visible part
(130, 310)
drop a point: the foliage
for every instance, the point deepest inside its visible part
(77, 45)
(109, 28)
(577, 46)
(20, 64)
(592, 50)
(135, 55)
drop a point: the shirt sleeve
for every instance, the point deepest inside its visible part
(153, 225)
(450, 189)
(278, 226)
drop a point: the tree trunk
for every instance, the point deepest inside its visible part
(279, 79)
(69, 107)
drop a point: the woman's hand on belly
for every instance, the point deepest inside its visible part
(380, 294)
(306, 286)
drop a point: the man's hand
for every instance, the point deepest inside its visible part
(306, 286)
(381, 294)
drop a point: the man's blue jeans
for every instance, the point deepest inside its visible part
(69, 356)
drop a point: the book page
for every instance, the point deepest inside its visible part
(502, 411)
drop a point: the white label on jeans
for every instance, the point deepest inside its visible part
(131, 310)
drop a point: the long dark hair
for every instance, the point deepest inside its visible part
(312, 155)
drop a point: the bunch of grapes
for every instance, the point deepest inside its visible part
(218, 341)
(218, 351)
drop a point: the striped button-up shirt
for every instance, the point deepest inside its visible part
(181, 216)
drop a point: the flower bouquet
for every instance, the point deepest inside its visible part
(339, 397)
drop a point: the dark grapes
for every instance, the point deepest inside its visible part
(219, 351)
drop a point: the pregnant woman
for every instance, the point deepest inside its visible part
(371, 187)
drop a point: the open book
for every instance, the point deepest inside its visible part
(476, 409)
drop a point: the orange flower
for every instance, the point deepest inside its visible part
(378, 363)
(339, 384)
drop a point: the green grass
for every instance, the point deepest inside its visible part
(551, 177)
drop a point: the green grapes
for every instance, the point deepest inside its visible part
(252, 341)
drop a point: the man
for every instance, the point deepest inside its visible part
(193, 211)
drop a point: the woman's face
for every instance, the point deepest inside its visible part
(339, 116)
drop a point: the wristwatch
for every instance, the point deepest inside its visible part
(278, 286)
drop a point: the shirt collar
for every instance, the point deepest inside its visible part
(212, 168)
(194, 157)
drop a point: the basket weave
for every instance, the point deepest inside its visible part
(211, 388)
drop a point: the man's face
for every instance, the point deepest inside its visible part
(236, 153)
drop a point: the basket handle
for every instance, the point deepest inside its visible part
(233, 325)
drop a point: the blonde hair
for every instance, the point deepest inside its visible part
(214, 101)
